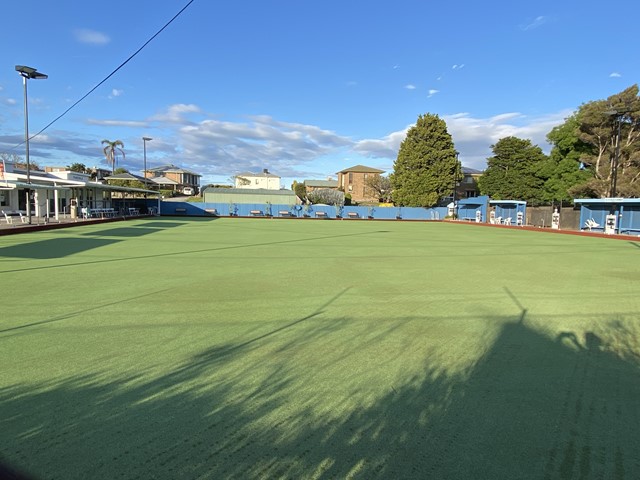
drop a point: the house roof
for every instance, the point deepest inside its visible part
(170, 168)
(321, 183)
(471, 171)
(261, 174)
(124, 176)
(361, 169)
(163, 181)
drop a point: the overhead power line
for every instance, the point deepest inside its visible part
(112, 73)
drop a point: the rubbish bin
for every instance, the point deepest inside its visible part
(555, 220)
(610, 225)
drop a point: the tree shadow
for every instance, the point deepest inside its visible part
(530, 407)
(54, 247)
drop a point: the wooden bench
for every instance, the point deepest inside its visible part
(353, 215)
(285, 213)
(321, 215)
(211, 211)
(256, 213)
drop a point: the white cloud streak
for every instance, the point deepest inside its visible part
(91, 37)
(535, 23)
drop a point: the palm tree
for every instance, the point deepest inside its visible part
(111, 151)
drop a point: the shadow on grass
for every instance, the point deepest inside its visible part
(54, 247)
(137, 231)
(531, 407)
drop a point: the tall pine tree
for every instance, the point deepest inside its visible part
(427, 166)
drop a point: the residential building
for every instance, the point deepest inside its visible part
(468, 185)
(170, 177)
(311, 185)
(353, 181)
(264, 180)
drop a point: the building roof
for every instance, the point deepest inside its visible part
(471, 171)
(607, 201)
(170, 168)
(361, 169)
(247, 191)
(125, 176)
(321, 183)
(163, 181)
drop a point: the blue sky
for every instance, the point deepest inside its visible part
(303, 88)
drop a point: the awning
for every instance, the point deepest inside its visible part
(8, 185)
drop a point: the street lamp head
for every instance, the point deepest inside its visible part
(29, 72)
(146, 139)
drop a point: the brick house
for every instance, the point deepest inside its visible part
(174, 178)
(353, 182)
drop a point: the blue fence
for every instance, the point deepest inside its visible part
(301, 211)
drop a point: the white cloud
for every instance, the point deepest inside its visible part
(473, 137)
(432, 92)
(116, 93)
(410, 87)
(386, 147)
(116, 123)
(615, 75)
(457, 67)
(219, 148)
(535, 23)
(176, 113)
(10, 101)
(91, 37)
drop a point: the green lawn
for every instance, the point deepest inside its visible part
(249, 348)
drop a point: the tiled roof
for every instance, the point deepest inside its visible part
(321, 183)
(361, 169)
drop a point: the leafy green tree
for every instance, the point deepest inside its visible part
(300, 190)
(380, 186)
(112, 150)
(563, 169)
(327, 196)
(614, 161)
(78, 167)
(426, 166)
(514, 171)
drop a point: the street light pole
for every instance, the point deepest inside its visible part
(144, 143)
(27, 73)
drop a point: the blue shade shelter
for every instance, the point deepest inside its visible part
(625, 210)
(468, 208)
(516, 210)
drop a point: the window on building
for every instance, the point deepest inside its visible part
(350, 177)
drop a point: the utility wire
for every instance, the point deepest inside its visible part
(112, 73)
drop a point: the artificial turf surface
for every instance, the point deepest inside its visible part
(251, 348)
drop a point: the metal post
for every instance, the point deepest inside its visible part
(616, 161)
(27, 73)
(26, 143)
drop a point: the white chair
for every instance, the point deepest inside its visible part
(8, 218)
(498, 220)
(23, 219)
(591, 224)
(507, 221)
